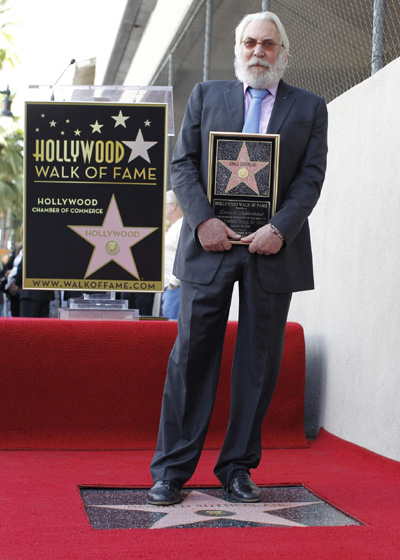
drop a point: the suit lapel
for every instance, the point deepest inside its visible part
(283, 103)
(234, 100)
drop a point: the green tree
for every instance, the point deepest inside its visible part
(11, 172)
(7, 51)
(11, 149)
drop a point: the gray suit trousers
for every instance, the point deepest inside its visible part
(194, 364)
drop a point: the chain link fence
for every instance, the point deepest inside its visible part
(338, 44)
(334, 44)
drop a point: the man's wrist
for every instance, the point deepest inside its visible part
(276, 231)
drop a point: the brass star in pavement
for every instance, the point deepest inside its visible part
(112, 241)
(243, 170)
(200, 507)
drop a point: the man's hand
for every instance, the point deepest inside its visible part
(263, 241)
(213, 235)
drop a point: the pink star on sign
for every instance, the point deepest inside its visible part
(112, 241)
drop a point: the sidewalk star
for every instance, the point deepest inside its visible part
(200, 507)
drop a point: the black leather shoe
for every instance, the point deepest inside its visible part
(164, 493)
(242, 488)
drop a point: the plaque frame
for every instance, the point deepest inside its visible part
(251, 202)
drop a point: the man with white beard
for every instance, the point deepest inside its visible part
(270, 264)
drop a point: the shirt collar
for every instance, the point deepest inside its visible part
(272, 88)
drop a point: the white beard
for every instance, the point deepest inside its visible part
(260, 78)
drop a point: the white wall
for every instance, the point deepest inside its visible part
(352, 319)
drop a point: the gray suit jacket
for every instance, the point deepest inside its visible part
(300, 117)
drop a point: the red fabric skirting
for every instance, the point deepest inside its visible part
(98, 385)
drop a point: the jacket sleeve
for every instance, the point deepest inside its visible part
(185, 167)
(305, 188)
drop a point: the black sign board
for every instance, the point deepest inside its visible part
(94, 196)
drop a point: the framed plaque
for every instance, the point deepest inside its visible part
(243, 179)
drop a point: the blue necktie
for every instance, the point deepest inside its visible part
(252, 122)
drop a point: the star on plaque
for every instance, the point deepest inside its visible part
(243, 170)
(120, 120)
(112, 241)
(200, 507)
(139, 147)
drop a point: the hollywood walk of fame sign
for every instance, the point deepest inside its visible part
(243, 179)
(94, 196)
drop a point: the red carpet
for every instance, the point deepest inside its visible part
(42, 517)
(87, 385)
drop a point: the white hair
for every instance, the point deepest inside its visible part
(170, 196)
(266, 16)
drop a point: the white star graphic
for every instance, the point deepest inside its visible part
(139, 147)
(96, 127)
(53, 123)
(77, 132)
(120, 120)
(112, 241)
(147, 123)
(200, 507)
